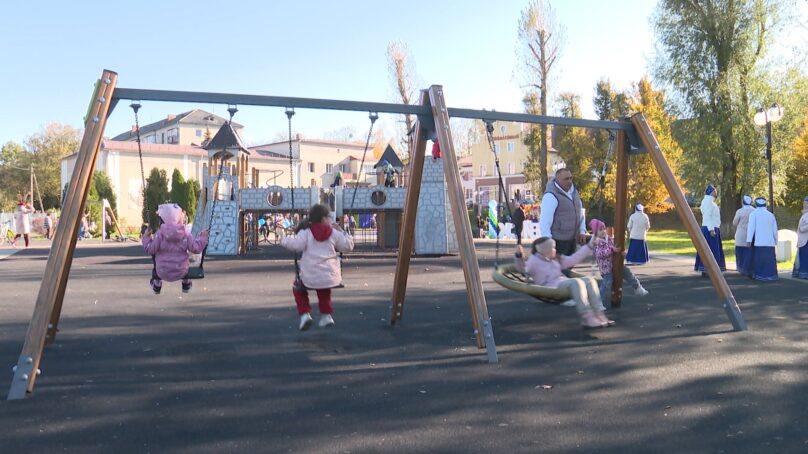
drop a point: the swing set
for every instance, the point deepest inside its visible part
(633, 135)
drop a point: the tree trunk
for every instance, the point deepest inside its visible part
(543, 99)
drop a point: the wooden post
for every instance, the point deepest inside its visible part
(115, 221)
(407, 236)
(457, 202)
(689, 220)
(621, 194)
(57, 270)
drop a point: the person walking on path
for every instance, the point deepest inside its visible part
(518, 221)
(562, 216)
(318, 240)
(638, 227)
(801, 262)
(741, 222)
(761, 236)
(22, 219)
(711, 229)
(47, 225)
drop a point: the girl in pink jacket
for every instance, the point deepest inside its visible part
(604, 253)
(545, 267)
(170, 248)
(319, 240)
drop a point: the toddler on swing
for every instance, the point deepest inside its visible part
(545, 267)
(170, 248)
(318, 239)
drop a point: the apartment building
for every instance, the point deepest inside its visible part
(510, 147)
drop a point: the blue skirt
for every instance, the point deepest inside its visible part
(764, 264)
(741, 253)
(801, 264)
(715, 246)
(637, 252)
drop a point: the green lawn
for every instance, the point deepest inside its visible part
(678, 242)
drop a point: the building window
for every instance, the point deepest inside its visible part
(199, 133)
(173, 135)
(150, 139)
(497, 148)
(503, 129)
(482, 170)
(329, 168)
(311, 167)
(511, 147)
(511, 168)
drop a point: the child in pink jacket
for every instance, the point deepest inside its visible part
(170, 247)
(319, 240)
(545, 267)
(604, 251)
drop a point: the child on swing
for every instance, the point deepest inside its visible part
(318, 239)
(170, 248)
(545, 267)
(604, 250)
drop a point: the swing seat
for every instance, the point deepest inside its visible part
(298, 285)
(512, 279)
(196, 272)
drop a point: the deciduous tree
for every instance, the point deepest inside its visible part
(540, 41)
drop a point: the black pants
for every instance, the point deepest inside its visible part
(566, 247)
(518, 233)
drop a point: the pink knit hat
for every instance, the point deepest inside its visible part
(596, 225)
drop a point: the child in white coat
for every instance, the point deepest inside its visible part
(319, 240)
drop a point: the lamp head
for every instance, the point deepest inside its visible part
(775, 112)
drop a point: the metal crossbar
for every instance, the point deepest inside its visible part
(333, 104)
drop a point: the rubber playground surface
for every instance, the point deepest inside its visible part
(224, 368)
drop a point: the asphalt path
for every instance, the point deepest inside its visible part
(224, 368)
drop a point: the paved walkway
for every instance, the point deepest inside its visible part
(224, 369)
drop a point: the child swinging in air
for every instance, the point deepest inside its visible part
(318, 240)
(170, 248)
(545, 268)
(604, 250)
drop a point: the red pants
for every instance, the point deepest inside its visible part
(323, 298)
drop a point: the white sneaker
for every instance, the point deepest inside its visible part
(326, 321)
(569, 303)
(305, 322)
(640, 291)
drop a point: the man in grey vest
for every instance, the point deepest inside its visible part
(562, 216)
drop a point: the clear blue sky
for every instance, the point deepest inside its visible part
(54, 51)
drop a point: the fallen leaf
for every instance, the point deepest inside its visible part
(544, 387)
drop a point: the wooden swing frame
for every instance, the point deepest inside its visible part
(433, 123)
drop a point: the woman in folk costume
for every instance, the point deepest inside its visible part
(638, 226)
(801, 263)
(740, 222)
(711, 228)
(762, 238)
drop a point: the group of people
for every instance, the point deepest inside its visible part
(755, 238)
(319, 240)
(563, 229)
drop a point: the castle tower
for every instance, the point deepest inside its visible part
(224, 176)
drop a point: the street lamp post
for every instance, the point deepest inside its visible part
(765, 117)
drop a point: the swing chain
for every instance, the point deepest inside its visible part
(373, 116)
(135, 105)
